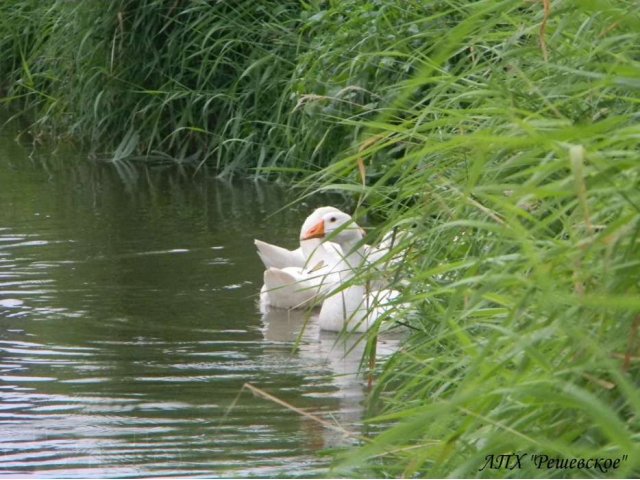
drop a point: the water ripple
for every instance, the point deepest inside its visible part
(128, 330)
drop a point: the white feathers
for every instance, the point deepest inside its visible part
(320, 271)
(274, 256)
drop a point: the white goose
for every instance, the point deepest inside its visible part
(352, 308)
(274, 256)
(295, 286)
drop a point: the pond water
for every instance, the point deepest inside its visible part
(129, 325)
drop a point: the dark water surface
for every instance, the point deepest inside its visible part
(129, 325)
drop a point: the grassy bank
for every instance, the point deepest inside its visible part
(200, 82)
(507, 131)
(516, 154)
(246, 87)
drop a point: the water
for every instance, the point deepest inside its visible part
(129, 325)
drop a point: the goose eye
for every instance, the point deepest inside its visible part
(332, 219)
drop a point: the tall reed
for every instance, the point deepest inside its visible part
(513, 146)
(200, 82)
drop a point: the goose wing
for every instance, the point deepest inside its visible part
(274, 256)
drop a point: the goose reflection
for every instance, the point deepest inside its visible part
(339, 354)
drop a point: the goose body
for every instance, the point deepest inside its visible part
(354, 310)
(297, 278)
(351, 308)
(293, 287)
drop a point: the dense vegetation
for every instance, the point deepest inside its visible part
(507, 131)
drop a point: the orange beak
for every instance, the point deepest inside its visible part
(317, 231)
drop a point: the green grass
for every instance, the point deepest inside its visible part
(523, 177)
(515, 152)
(199, 82)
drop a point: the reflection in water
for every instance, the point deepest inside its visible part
(341, 353)
(128, 327)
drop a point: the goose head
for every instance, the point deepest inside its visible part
(336, 226)
(313, 219)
